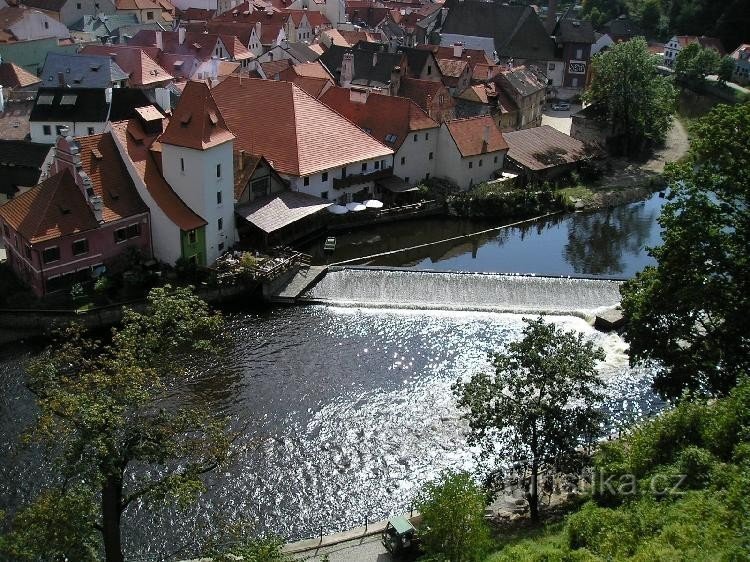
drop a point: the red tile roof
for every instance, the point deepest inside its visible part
(422, 92)
(196, 122)
(143, 70)
(54, 208)
(143, 155)
(315, 19)
(272, 68)
(13, 76)
(468, 134)
(477, 56)
(137, 5)
(380, 115)
(295, 132)
(313, 86)
(310, 69)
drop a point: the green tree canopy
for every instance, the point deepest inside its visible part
(105, 407)
(637, 101)
(690, 310)
(453, 526)
(695, 62)
(541, 401)
(726, 69)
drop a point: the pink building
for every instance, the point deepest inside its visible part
(73, 224)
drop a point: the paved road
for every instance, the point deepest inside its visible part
(560, 120)
(368, 549)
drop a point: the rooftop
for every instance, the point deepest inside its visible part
(274, 212)
(469, 135)
(81, 71)
(543, 147)
(13, 76)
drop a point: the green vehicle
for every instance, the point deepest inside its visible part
(400, 538)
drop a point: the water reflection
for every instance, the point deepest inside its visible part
(610, 242)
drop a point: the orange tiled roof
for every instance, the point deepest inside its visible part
(54, 208)
(380, 115)
(143, 70)
(422, 92)
(274, 67)
(309, 69)
(13, 76)
(196, 122)
(298, 134)
(137, 5)
(468, 134)
(139, 147)
(313, 86)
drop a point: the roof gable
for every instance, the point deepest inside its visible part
(476, 135)
(196, 122)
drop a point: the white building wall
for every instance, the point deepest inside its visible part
(193, 176)
(604, 42)
(320, 187)
(77, 129)
(416, 156)
(165, 235)
(37, 25)
(555, 71)
(465, 172)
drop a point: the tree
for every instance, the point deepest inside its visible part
(453, 525)
(637, 102)
(539, 404)
(694, 62)
(689, 312)
(105, 407)
(726, 69)
(651, 17)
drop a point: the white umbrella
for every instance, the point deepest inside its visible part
(373, 204)
(338, 209)
(354, 206)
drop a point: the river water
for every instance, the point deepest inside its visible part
(343, 412)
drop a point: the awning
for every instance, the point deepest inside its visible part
(276, 211)
(395, 184)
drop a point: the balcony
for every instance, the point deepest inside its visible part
(355, 179)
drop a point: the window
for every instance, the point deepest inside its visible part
(403, 160)
(50, 255)
(90, 130)
(551, 66)
(220, 224)
(80, 247)
(343, 172)
(579, 54)
(377, 165)
(390, 138)
(182, 165)
(218, 170)
(364, 166)
(59, 128)
(429, 69)
(431, 156)
(218, 197)
(324, 195)
(149, 15)
(427, 136)
(415, 138)
(471, 164)
(192, 237)
(306, 180)
(324, 177)
(28, 252)
(121, 234)
(78, 6)
(96, 5)
(427, 176)
(47, 130)
(495, 159)
(134, 230)
(480, 162)
(46, 25)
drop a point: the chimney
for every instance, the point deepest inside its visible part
(458, 49)
(395, 84)
(61, 79)
(358, 95)
(485, 138)
(551, 16)
(181, 35)
(159, 41)
(241, 165)
(95, 201)
(374, 59)
(257, 29)
(347, 69)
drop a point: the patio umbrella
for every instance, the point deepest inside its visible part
(373, 204)
(356, 207)
(338, 209)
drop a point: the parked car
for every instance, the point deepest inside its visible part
(561, 106)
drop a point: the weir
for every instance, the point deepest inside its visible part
(406, 288)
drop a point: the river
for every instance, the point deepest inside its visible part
(343, 411)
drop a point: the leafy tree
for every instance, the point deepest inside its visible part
(453, 525)
(694, 62)
(690, 310)
(726, 69)
(541, 401)
(104, 409)
(637, 101)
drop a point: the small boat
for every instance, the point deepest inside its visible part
(330, 245)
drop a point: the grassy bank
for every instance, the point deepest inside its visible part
(673, 489)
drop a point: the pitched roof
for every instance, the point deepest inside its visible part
(543, 147)
(451, 68)
(524, 81)
(703, 41)
(422, 92)
(298, 134)
(371, 68)
(137, 5)
(309, 69)
(274, 67)
(54, 208)
(141, 69)
(301, 52)
(389, 119)
(623, 26)
(313, 86)
(138, 146)
(14, 121)
(20, 164)
(574, 31)
(66, 104)
(741, 52)
(46, 5)
(469, 135)
(110, 179)
(81, 71)
(517, 30)
(13, 76)
(477, 56)
(196, 122)
(104, 26)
